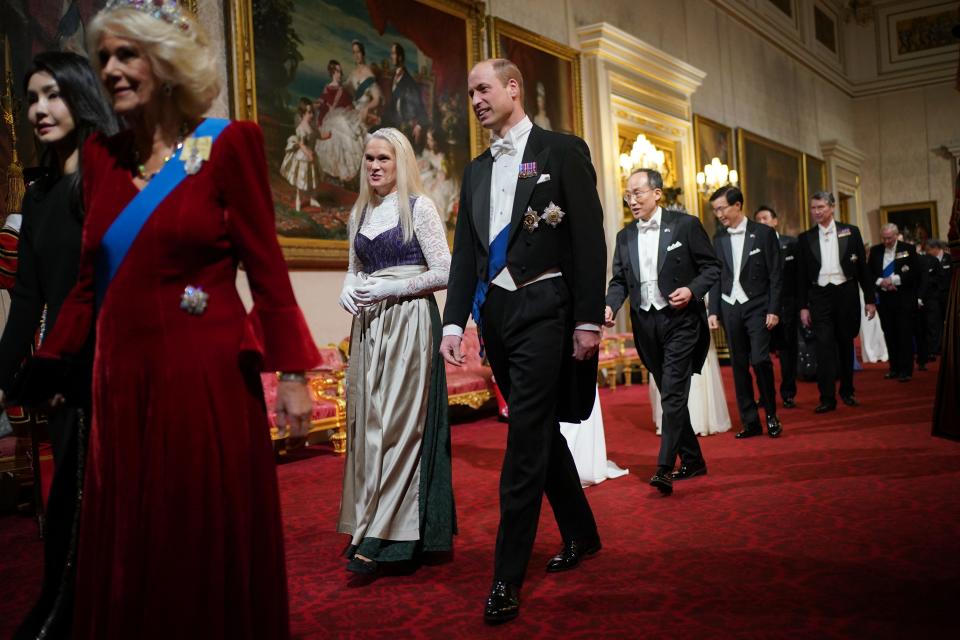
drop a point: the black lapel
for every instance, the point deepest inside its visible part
(633, 232)
(668, 221)
(482, 172)
(749, 238)
(726, 245)
(533, 152)
(813, 237)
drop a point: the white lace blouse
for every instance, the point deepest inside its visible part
(429, 232)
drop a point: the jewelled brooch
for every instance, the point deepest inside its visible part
(194, 300)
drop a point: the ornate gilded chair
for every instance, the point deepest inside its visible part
(610, 361)
(329, 402)
(470, 384)
(630, 359)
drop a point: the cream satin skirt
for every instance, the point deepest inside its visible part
(388, 380)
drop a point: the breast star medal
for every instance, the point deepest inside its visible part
(552, 215)
(531, 220)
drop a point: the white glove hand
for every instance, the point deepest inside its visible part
(373, 290)
(348, 300)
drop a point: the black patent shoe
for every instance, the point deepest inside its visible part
(824, 407)
(774, 428)
(749, 432)
(691, 470)
(850, 401)
(662, 481)
(503, 603)
(789, 403)
(571, 554)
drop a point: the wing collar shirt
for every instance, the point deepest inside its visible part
(737, 234)
(648, 245)
(830, 270)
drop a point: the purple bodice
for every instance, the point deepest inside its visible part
(387, 250)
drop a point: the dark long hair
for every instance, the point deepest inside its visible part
(80, 89)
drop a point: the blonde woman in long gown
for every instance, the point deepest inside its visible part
(707, 401)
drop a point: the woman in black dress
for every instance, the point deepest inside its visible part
(64, 106)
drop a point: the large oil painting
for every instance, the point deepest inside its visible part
(324, 74)
(551, 75)
(917, 221)
(772, 175)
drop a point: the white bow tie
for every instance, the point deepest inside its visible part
(735, 232)
(651, 225)
(502, 146)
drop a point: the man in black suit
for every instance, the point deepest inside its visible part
(832, 264)
(895, 271)
(784, 338)
(665, 264)
(404, 110)
(747, 299)
(529, 259)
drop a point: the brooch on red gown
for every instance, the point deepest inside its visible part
(194, 300)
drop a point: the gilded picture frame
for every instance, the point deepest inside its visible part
(286, 84)
(550, 69)
(712, 139)
(917, 220)
(771, 174)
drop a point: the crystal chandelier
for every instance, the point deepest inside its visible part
(715, 175)
(643, 155)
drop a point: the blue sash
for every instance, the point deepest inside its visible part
(496, 261)
(889, 269)
(126, 227)
(362, 88)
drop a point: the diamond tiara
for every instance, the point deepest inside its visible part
(167, 10)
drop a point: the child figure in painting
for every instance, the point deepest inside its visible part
(299, 166)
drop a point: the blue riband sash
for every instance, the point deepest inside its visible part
(889, 269)
(496, 262)
(126, 227)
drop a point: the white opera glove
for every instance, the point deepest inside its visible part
(373, 290)
(348, 300)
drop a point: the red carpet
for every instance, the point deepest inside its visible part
(847, 526)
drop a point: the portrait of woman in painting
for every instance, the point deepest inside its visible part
(439, 182)
(367, 96)
(341, 132)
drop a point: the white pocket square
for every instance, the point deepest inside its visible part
(544, 177)
(788, 259)
(675, 245)
(755, 251)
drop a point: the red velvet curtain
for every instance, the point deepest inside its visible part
(439, 35)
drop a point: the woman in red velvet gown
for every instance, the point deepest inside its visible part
(180, 529)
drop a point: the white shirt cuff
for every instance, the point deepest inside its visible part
(452, 330)
(895, 278)
(587, 326)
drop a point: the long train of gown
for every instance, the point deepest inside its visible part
(707, 401)
(589, 448)
(873, 347)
